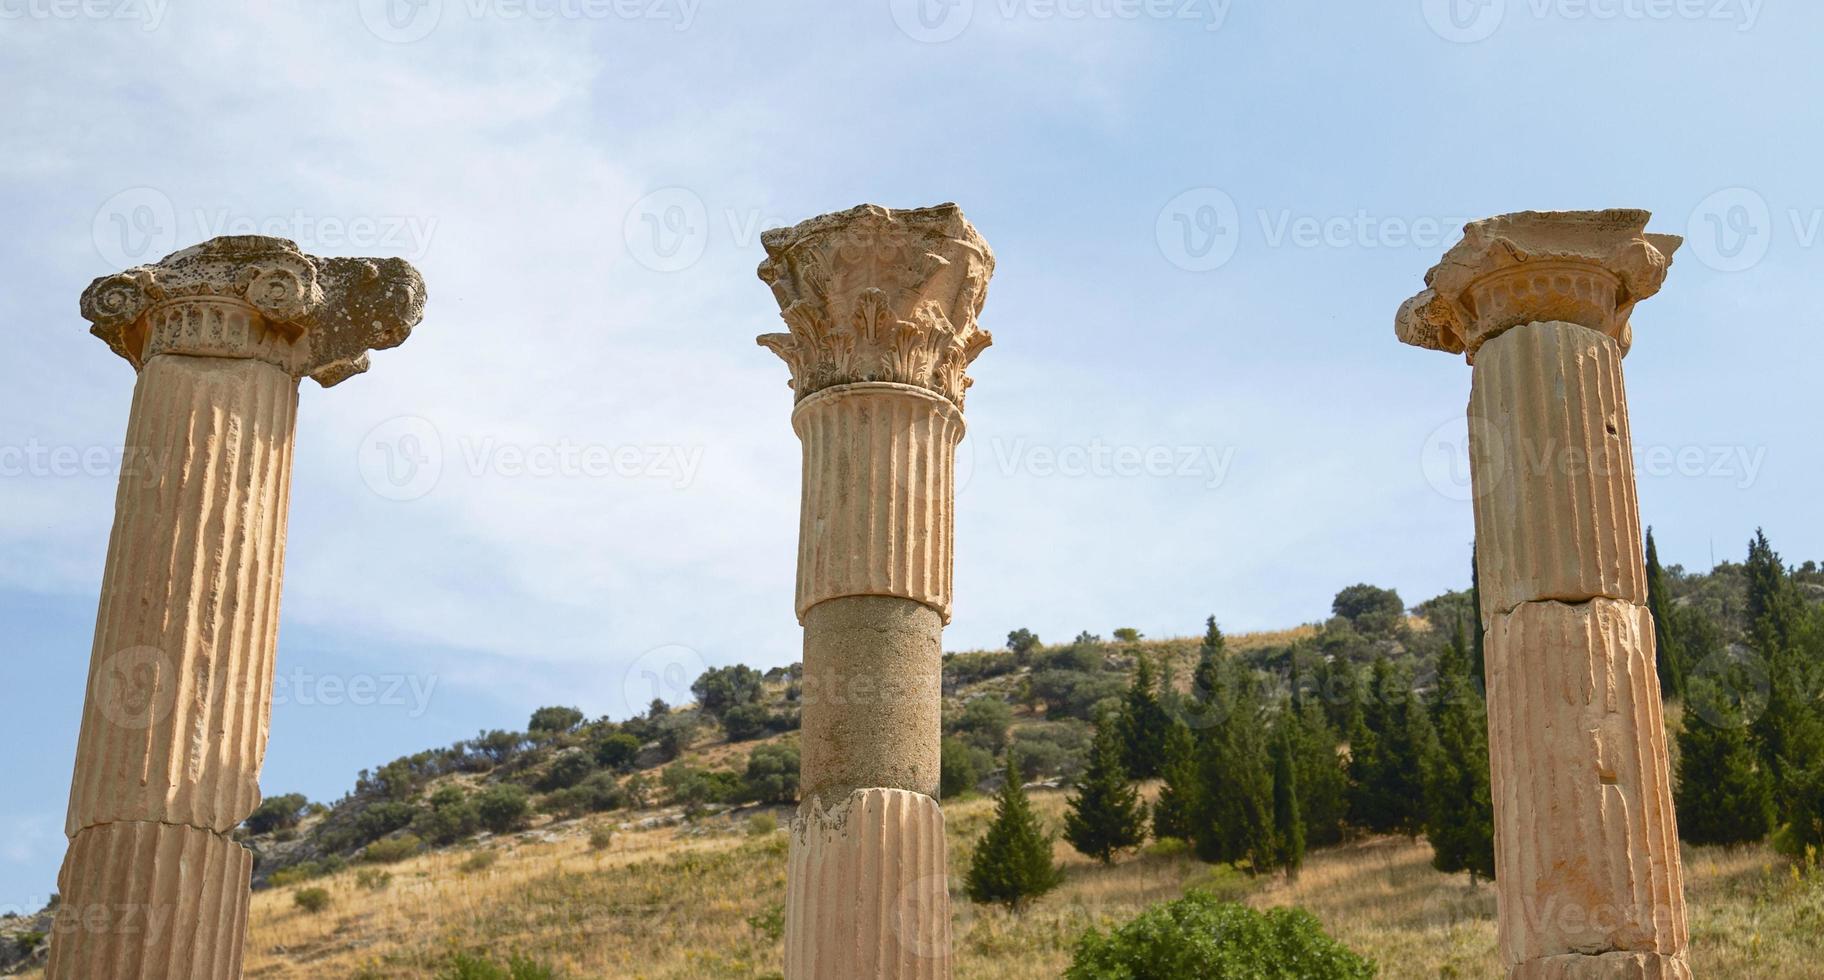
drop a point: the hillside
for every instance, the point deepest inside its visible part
(654, 846)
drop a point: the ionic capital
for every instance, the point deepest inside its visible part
(250, 296)
(1584, 267)
(874, 294)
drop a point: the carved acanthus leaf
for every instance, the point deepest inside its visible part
(873, 294)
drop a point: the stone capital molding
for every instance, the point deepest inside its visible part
(250, 296)
(1584, 267)
(874, 294)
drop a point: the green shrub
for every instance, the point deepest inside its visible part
(477, 966)
(693, 788)
(601, 837)
(762, 825)
(305, 871)
(311, 900)
(597, 794)
(380, 819)
(746, 722)
(373, 879)
(503, 807)
(27, 942)
(769, 922)
(960, 767)
(1200, 936)
(1053, 748)
(392, 850)
(569, 769)
(480, 861)
(451, 816)
(617, 751)
(984, 723)
(772, 774)
(278, 813)
(553, 721)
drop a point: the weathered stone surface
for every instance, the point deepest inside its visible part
(872, 697)
(1608, 966)
(1552, 462)
(866, 892)
(1586, 844)
(151, 901)
(878, 507)
(882, 308)
(180, 678)
(874, 294)
(1583, 267)
(251, 296)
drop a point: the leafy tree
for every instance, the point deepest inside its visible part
(694, 787)
(503, 807)
(1012, 863)
(1053, 748)
(277, 813)
(497, 746)
(1175, 812)
(1371, 610)
(960, 766)
(1022, 642)
(617, 751)
(772, 774)
(554, 721)
(1143, 724)
(1459, 810)
(984, 723)
(1127, 634)
(721, 688)
(450, 817)
(674, 733)
(1288, 824)
(1105, 813)
(1659, 602)
(1723, 793)
(746, 722)
(1201, 936)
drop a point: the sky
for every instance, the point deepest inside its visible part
(577, 482)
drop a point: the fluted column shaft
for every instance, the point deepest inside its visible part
(179, 693)
(881, 306)
(1586, 845)
(180, 676)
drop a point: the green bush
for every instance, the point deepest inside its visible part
(373, 879)
(601, 837)
(984, 723)
(569, 769)
(553, 721)
(762, 825)
(311, 900)
(597, 794)
(693, 788)
(451, 816)
(1053, 748)
(1201, 936)
(772, 774)
(392, 850)
(305, 871)
(617, 751)
(960, 767)
(278, 813)
(503, 807)
(477, 966)
(480, 861)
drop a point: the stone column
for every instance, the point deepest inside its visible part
(180, 677)
(1588, 880)
(882, 309)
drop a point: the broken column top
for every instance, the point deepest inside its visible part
(874, 294)
(1584, 267)
(252, 296)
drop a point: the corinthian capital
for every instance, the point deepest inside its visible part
(1584, 267)
(250, 296)
(873, 294)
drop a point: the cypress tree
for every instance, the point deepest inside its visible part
(1323, 786)
(1787, 726)
(1671, 661)
(1723, 793)
(1012, 864)
(1288, 824)
(1387, 755)
(1105, 814)
(1235, 780)
(1175, 812)
(1459, 812)
(1143, 724)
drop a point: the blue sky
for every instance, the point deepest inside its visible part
(1205, 213)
